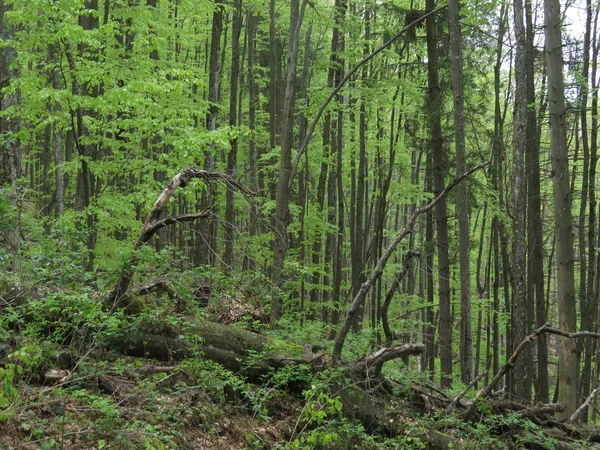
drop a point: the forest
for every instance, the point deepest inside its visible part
(299, 224)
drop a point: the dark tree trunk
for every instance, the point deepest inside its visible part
(280, 240)
(9, 144)
(462, 195)
(437, 149)
(228, 261)
(521, 374)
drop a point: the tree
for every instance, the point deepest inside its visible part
(521, 375)
(437, 151)
(567, 357)
(9, 144)
(462, 194)
(281, 218)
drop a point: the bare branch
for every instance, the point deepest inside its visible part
(385, 354)
(582, 408)
(511, 361)
(341, 84)
(462, 393)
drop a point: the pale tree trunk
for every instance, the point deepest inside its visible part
(567, 359)
(521, 386)
(437, 147)
(282, 200)
(9, 146)
(462, 195)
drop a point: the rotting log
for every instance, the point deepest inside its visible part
(241, 351)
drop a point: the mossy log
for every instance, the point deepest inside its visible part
(241, 351)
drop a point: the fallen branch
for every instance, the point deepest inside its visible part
(511, 361)
(455, 401)
(385, 354)
(378, 270)
(582, 408)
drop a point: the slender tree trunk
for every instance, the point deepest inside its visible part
(228, 260)
(535, 264)
(462, 195)
(280, 240)
(437, 149)
(521, 388)
(208, 246)
(562, 209)
(9, 149)
(252, 108)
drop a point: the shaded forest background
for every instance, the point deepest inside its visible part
(332, 123)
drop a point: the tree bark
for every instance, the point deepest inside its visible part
(462, 194)
(280, 239)
(535, 263)
(562, 208)
(521, 386)
(236, 30)
(9, 144)
(437, 149)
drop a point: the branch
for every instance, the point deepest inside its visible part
(385, 354)
(511, 361)
(153, 228)
(462, 393)
(341, 84)
(389, 334)
(152, 223)
(378, 270)
(582, 408)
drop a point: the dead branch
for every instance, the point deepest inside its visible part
(152, 223)
(389, 334)
(455, 401)
(378, 270)
(582, 408)
(385, 354)
(511, 361)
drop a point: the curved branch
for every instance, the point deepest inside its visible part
(385, 322)
(341, 84)
(152, 223)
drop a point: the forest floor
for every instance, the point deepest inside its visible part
(90, 396)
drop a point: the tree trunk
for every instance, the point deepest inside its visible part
(9, 145)
(562, 208)
(232, 156)
(521, 374)
(280, 240)
(535, 264)
(437, 149)
(462, 195)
